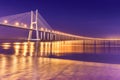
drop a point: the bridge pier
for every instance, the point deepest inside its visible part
(51, 36)
(41, 35)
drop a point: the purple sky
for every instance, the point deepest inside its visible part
(94, 18)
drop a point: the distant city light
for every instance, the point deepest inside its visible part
(5, 21)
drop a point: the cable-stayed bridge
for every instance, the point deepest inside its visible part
(33, 21)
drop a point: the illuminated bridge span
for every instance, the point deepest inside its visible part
(33, 21)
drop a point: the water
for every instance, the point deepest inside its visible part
(60, 60)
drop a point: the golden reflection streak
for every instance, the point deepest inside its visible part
(66, 47)
(31, 48)
(59, 48)
(3, 65)
(6, 45)
(41, 48)
(24, 49)
(46, 48)
(17, 49)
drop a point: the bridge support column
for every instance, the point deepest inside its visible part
(41, 35)
(48, 36)
(51, 36)
(55, 36)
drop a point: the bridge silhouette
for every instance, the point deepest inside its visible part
(33, 21)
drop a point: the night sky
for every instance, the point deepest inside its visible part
(94, 18)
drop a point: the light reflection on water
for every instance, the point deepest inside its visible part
(23, 65)
(30, 68)
(58, 48)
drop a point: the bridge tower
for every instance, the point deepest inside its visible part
(34, 23)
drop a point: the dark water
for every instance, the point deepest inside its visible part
(59, 60)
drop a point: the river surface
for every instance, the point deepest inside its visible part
(59, 60)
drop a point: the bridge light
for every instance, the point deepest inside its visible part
(53, 31)
(25, 25)
(46, 30)
(17, 24)
(5, 21)
(42, 29)
(57, 32)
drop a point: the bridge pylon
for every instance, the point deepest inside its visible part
(34, 24)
